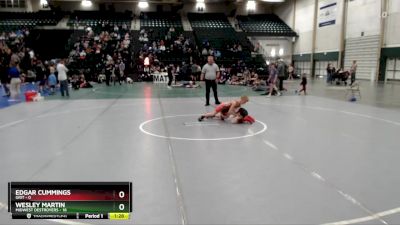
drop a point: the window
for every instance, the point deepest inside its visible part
(12, 3)
(393, 69)
(9, 3)
(302, 67)
(21, 3)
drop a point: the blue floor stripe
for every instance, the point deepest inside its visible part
(5, 101)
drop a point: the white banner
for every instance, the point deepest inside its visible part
(160, 78)
(327, 13)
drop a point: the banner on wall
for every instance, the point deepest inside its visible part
(327, 13)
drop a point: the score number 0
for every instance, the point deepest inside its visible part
(121, 206)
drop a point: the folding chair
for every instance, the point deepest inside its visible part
(353, 90)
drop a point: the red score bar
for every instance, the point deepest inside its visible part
(84, 195)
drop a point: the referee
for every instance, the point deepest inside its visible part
(210, 73)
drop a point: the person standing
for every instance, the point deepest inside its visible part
(117, 74)
(4, 76)
(291, 71)
(303, 85)
(329, 73)
(62, 77)
(52, 80)
(15, 83)
(281, 74)
(122, 70)
(273, 76)
(108, 72)
(170, 76)
(40, 75)
(210, 73)
(196, 71)
(353, 71)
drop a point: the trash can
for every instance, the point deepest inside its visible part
(29, 95)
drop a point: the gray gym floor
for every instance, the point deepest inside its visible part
(307, 159)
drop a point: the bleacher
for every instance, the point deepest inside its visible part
(209, 20)
(98, 18)
(265, 24)
(158, 25)
(43, 41)
(215, 29)
(160, 20)
(11, 21)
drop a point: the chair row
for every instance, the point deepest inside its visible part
(209, 20)
(268, 24)
(160, 23)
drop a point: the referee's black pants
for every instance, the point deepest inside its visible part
(170, 78)
(211, 84)
(280, 83)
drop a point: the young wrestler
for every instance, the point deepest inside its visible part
(226, 109)
(242, 116)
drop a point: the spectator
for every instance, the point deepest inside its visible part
(170, 75)
(257, 47)
(40, 75)
(204, 52)
(239, 48)
(273, 76)
(162, 47)
(329, 73)
(117, 74)
(303, 85)
(109, 72)
(15, 59)
(52, 80)
(15, 83)
(217, 54)
(281, 74)
(4, 75)
(291, 71)
(62, 77)
(124, 27)
(196, 71)
(121, 67)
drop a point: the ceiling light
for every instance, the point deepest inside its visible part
(143, 5)
(251, 5)
(273, 0)
(273, 52)
(44, 3)
(200, 5)
(86, 3)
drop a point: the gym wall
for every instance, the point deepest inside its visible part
(304, 26)
(362, 34)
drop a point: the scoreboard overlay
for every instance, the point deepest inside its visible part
(70, 200)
